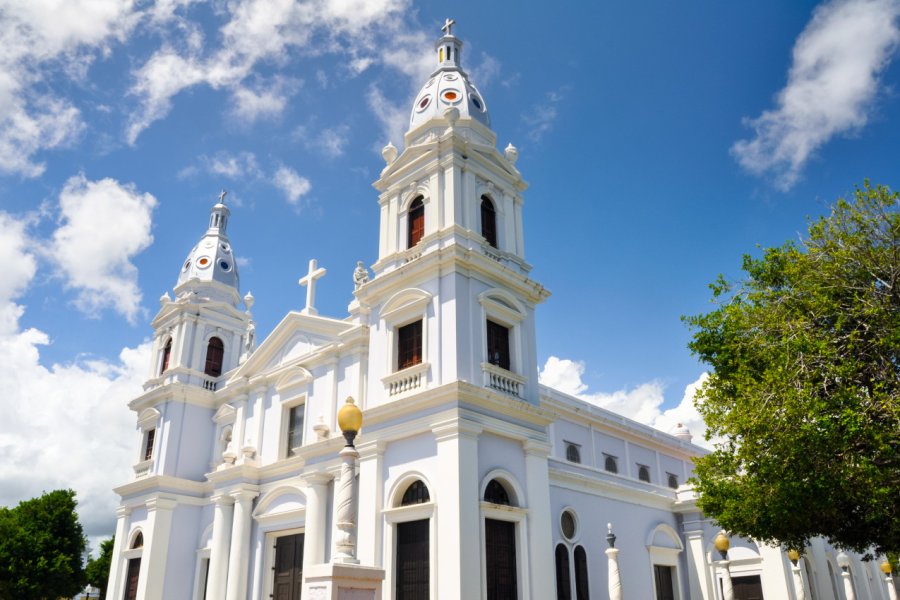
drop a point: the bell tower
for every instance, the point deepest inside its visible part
(450, 299)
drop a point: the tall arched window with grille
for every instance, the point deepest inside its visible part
(215, 353)
(413, 579)
(415, 222)
(488, 221)
(500, 548)
(582, 587)
(563, 578)
(166, 355)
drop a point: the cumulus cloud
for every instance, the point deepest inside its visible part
(541, 117)
(232, 165)
(42, 37)
(104, 225)
(641, 403)
(66, 425)
(257, 30)
(293, 185)
(831, 88)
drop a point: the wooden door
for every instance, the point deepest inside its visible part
(131, 578)
(747, 588)
(413, 581)
(288, 567)
(500, 559)
(665, 584)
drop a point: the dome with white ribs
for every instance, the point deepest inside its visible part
(212, 259)
(448, 87)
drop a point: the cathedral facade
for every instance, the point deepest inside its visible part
(474, 480)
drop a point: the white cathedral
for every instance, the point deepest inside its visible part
(474, 481)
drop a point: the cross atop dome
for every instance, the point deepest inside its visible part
(448, 24)
(448, 47)
(222, 195)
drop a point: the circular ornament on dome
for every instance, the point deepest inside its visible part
(224, 247)
(477, 102)
(451, 96)
(203, 262)
(224, 265)
(423, 103)
(450, 77)
(187, 265)
(209, 244)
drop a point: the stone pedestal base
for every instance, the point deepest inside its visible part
(343, 582)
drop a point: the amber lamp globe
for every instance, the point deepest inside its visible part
(350, 417)
(722, 543)
(793, 555)
(886, 567)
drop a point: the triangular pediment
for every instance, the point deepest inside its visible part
(297, 335)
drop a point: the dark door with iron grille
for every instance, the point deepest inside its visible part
(288, 567)
(747, 588)
(500, 559)
(665, 584)
(131, 578)
(412, 560)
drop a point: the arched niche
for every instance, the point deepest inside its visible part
(285, 504)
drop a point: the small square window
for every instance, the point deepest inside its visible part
(573, 452)
(672, 480)
(610, 463)
(409, 345)
(294, 428)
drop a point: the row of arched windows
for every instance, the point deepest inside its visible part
(215, 355)
(415, 222)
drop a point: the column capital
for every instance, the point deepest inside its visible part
(456, 428)
(221, 499)
(161, 503)
(123, 511)
(243, 496)
(317, 478)
(371, 449)
(538, 448)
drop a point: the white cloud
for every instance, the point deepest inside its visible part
(41, 37)
(293, 185)
(540, 118)
(831, 88)
(328, 141)
(104, 225)
(394, 117)
(641, 403)
(266, 100)
(66, 426)
(233, 166)
(257, 30)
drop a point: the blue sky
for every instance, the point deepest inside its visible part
(661, 141)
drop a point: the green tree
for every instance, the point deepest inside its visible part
(41, 548)
(97, 569)
(805, 357)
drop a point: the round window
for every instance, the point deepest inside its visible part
(477, 102)
(224, 247)
(567, 524)
(203, 262)
(451, 96)
(449, 77)
(423, 103)
(224, 265)
(187, 265)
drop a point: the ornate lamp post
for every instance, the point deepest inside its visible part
(794, 557)
(722, 544)
(612, 553)
(350, 422)
(843, 562)
(886, 569)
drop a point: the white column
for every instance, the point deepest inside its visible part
(698, 571)
(117, 564)
(798, 581)
(345, 509)
(848, 585)
(239, 556)
(218, 555)
(458, 522)
(727, 589)
(615, 582)
(892, 591)
(151, 582)
(371, 501)
(540, 542)
(316, 519)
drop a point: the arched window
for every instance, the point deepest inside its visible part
(416, 493)
(132, 575)
(610, 464)
(572, 453)
(563, 578)
(495, 493)
(673, 481)
(582, 587)
(138, 541)
(415, 222)
(215, 353)
(488, 221)
(167, 353)
(644, 473)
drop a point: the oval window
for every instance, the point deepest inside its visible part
(567, 524)
(424, 102)
(224, 265)
(187, 265)
(451, 96)
(203, 262)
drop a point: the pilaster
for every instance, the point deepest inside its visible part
(316, 519)
(371, 490)
(117, 566)
(239, 555)
(540, 543)
(156, 548)
(221, 540)
(698, 571)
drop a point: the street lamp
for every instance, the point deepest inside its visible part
(794, 556)
(843, 562)
(350, 422)
(612, 556)
(722, 544)
(886, 569)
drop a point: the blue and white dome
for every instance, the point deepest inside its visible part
(448, 87)
(212, 259)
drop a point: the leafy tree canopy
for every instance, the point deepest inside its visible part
(805, 384)
(41, 548)
(97, 570)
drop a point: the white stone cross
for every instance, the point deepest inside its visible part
(448, 24)
(309, 282)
